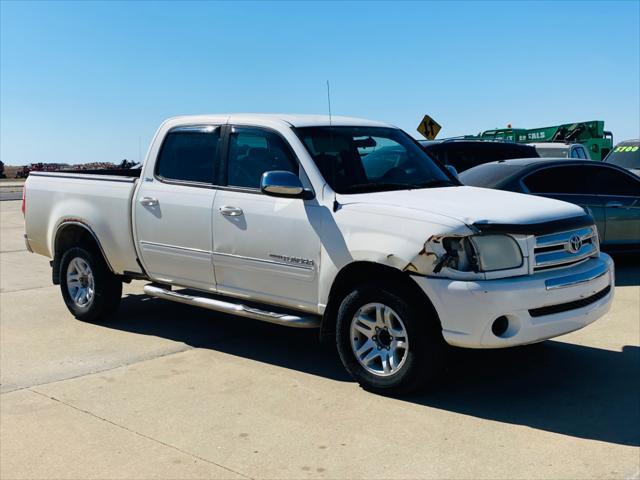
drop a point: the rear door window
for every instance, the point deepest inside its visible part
(189, 155)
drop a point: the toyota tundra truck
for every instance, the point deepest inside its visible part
(335, 223)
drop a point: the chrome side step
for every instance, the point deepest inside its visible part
(303, 321)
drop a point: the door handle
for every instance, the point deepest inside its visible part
(149, 201)
(229, 211)
(614, 205)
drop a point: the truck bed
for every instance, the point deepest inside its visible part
(96, 200)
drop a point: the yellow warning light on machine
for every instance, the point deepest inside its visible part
(429, 128)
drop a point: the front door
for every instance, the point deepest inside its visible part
(172, 209)
(265, 247)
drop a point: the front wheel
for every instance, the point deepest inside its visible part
(90, 290)
(388, 345)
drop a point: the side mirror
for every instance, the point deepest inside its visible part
(452, 170)
(282, 184)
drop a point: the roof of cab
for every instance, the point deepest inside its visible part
(292, 120)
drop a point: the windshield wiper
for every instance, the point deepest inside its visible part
(435, 183)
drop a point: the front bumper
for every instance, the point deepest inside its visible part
(537, 307)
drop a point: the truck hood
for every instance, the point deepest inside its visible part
(470, 204)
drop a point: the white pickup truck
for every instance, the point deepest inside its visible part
(337, 223)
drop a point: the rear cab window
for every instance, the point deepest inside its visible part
(578, 152)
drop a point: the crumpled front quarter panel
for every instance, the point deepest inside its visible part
(385, 234)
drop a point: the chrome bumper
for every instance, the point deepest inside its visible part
(577, 278)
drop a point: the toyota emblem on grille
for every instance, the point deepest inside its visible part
(574, 244)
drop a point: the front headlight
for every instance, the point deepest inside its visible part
(496, 252)
(480, 253)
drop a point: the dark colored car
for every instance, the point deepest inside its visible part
(611, 194)
(465, 154)
(626, 155)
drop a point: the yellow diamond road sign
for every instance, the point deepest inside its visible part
(429, 128)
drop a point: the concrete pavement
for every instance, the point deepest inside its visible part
(169, 391)
(10, 195)
(11, 189)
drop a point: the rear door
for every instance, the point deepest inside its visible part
(620, 194)
(172, 209)
(570, 183)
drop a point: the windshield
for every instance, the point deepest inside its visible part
(560, 152)
(626, 156)
(367, 159)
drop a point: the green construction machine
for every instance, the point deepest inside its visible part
(592, 135)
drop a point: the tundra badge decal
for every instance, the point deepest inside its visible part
(303, 262)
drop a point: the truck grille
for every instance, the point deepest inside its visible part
(565, 248)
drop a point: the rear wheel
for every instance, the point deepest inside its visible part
(387, 343)
(90, 290)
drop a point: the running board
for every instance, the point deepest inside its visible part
(234, 308)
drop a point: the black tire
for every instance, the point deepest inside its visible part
(424, 357)
(107, 290)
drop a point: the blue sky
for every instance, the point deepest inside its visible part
(91, 81)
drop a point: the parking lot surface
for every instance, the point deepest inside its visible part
(169, 391)
(11, 189)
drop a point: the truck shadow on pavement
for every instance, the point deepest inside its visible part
(558, 387)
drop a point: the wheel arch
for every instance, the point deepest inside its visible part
(363, 272)
(72, 233)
